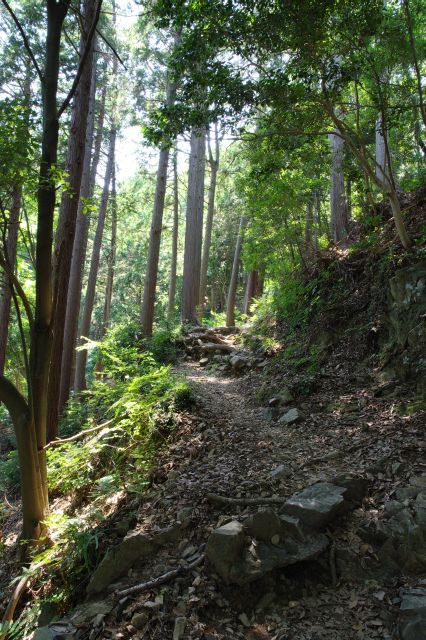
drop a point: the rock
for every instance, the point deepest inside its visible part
(239, 362)
(139, 620)
(184, 514)
(265, 525)
(55, 631)
(406, 493)
(392, 507)
(48, 612)
(414, 629)
(243, 618)
(413, 600)
(130, 551)
(203, 362)
(292, 416)
(224, 547)
(179, 629)
(87, 612)
(291, 527)
(356, 486)
(318, 505)
(280, 472)
(266, 413)
(285, 396)
(419, 482)
(413, 614)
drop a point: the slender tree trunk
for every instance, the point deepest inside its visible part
(6, 289)
(80, 370)
(317, 208)
(253, 289)
(386, 186)
(338, 204)
(80, 242)
(309, 224)
(194, 227)
(148, 304)
(232, 291)
(67, 218)
(175, 237)
(111, 258)
(214, 167)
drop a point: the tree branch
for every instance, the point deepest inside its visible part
(24, 38)
(13, 400)
(87, 49)
(19, 290)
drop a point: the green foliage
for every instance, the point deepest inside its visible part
(9, 471)
(128, 398)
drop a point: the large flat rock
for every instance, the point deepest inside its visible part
(317, 505)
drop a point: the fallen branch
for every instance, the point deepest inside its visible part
(212, 497)
(14, 600)
(156, 582)
(77, 436)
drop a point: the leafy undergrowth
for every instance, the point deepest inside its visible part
(111, 433)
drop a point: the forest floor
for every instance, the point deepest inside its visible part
(229, 445)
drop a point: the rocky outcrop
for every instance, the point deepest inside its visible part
(413, 614)
(400, 535)
(273, 539)
(406, 326)
(134, 548)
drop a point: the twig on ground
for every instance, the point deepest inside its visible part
(156, 582)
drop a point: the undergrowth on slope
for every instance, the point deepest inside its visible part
(127, 414)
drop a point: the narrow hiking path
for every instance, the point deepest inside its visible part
(231, 446)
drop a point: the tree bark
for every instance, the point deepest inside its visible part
(148, 304)
(175, 237)
(80, 370)
(6, 289)
(68, 216)
(253, 289)
(338, 204)
(80, 241)
(194, 226)
(214, 168)
(111, 258)
(386, 186)
(232, 291)
(309, 225)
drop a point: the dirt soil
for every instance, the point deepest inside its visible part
(229, 445)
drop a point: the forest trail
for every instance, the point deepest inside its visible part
(230, 446)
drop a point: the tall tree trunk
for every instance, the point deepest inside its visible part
(88, 180)
(175, 237)
(148, 303)
(68, 216)
(194, 226)
(214, 167)
(232, 291)
(6, 288)
(111, 258)
(386, 186)
(80, 369)
(253, 289)
(29, 417)
(338, 204)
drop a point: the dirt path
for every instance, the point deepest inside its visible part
(229, 445)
